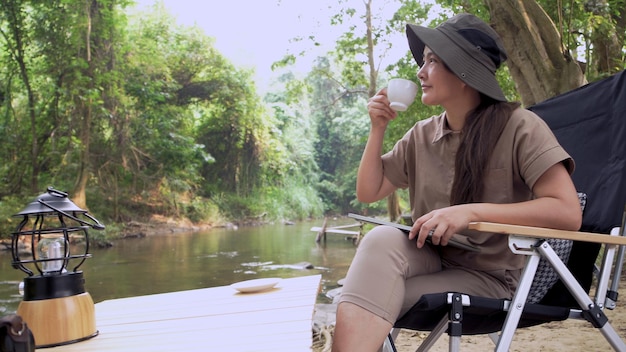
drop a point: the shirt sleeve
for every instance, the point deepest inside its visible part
(537, 148)
(395, 162)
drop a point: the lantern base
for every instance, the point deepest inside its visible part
(43, 287)
(60, 321)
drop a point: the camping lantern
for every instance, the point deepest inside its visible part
(50, 244)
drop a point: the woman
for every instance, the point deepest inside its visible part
(482, 159)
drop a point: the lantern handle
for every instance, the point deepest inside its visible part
(96, 226)
(56, 192)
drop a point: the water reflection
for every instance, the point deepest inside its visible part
(166, 263)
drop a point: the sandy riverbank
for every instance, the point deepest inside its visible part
(570, 335)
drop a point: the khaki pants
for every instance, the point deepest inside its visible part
(389, 274)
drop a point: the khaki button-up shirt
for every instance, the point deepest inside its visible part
(423, 161)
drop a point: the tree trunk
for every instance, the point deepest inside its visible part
(16, 45)
(370, 50)
(607, 40)
(393, 208)
(538, 62)
(79, 194)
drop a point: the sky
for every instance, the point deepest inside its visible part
(255, 33)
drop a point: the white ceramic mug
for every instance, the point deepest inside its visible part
(401, 93)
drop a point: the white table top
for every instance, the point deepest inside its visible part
(209, 319)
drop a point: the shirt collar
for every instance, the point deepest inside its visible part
(442, 128)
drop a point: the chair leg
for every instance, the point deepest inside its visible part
(389, 345)
(494, 337)
(454, 344)
(394, 333)
(455, 327)
(434, 335)
(591, 311)
(610, 301)
(604, 274)
(517, 304)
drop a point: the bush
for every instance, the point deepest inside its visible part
(9, 206)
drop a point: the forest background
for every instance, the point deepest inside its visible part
(136, 117)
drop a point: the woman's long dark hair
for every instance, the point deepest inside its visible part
(481, 132)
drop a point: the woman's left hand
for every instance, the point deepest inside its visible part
(441, 224)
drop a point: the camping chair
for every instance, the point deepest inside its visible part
(590, 123)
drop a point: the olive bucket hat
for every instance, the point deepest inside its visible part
(468, 46)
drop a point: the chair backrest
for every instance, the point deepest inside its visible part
(590, 123)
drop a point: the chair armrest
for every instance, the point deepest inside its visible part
(540, 232)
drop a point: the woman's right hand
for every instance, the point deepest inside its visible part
(379, 110)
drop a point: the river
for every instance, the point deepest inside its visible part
(184, 261)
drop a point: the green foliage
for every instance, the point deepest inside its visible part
(592, 32)
(102, 238)
(202, 210)
(146, 117)
(287, 201)
(338, 111)
(9, 206)
(172, 122)
(292, 201)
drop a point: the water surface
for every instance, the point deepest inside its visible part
(184, 261)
